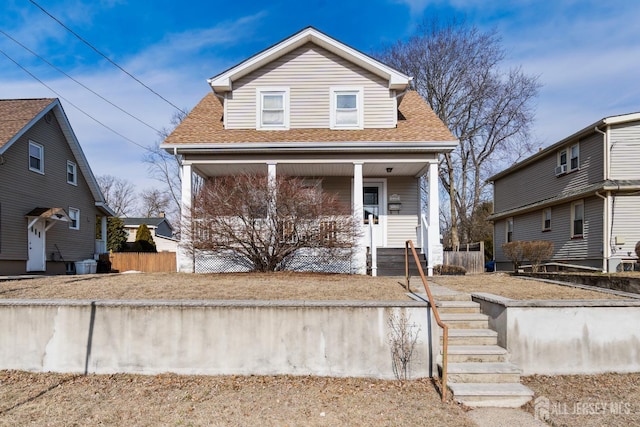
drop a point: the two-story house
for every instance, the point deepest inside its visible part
(52, 212)
(313, 107)
(582, 194)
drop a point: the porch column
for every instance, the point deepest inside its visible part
(271, 185)
(434, 251)
(360, 256)
(185, 257)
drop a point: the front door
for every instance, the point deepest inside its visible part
(373, 203)
(36, 242)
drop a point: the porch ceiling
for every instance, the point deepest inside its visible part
(317, 169)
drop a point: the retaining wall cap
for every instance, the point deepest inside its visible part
(555, 303)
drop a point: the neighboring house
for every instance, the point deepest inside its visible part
(160, 228)
(312, 107)
(51, 208)
(582, 193)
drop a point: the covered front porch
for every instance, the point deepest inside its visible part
(393, 196)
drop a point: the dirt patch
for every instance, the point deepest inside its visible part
(586, 400)
(64, 399)
(276, 286)
(517, 288)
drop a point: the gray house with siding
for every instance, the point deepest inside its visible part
(582, 193)
(315, 108)
(52, 212)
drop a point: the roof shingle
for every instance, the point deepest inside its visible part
(15, 114)
(416, 123)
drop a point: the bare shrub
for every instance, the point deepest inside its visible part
(515, 252)
(403, 336)
(447, 269)
(267, 223)
(537, 251)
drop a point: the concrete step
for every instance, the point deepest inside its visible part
(476, 353)
(472, 337)
(465, 320)
(503, 395)
(482, 372)
(457, 307)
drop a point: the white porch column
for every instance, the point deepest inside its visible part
(434, 250)
(185, 257)
(360, 257)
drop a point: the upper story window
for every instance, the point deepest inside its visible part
(509, 230)
(272, 110)
(347, 108)
(72, 174)
(577, 219)
(546, 219)
(74, 214)
(36, 157)
(568, 159)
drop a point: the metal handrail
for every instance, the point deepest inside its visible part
(432, 304)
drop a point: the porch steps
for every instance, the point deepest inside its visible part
(479, 373)
(391, 262)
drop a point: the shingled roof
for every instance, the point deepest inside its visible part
(15, 115)
(416, 123)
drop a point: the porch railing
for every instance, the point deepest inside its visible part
(374, 249)
(445, 331)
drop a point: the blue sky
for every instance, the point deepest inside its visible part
(586, 54)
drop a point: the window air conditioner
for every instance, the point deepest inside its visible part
(561, 169)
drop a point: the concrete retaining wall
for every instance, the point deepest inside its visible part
(218, 337)
(567, 337)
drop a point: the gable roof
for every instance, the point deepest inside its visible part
(17, 116)
(586, 131)
(203, 128)
(223, 82)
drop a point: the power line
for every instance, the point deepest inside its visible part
(106, 57)
(78, 82)
(72, 104)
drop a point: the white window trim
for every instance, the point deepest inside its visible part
(41, 148)
(75, 173)
(359, 92)
(573, 218)
(544, 217)
(569, 150)
(260, 91)
(77, 218)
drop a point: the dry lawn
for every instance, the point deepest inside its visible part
(65, 399)
(276, 286)
(587, 400)
(517, 288)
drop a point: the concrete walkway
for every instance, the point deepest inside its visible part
(503, 417)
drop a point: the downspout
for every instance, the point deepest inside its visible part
(606, 244)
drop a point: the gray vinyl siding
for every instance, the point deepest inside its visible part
(625, 151)
(309, 72)
(626, 225)
(585, 251)
(22, 190)
(537, 181)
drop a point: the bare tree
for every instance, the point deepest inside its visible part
(154, 202)
(268, 224)
(456, 68)
(165, 168)
(119, 194)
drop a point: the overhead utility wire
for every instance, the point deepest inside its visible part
(71, 103)
(80, 83)
(106, 57)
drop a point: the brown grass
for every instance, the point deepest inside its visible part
(516, 288)
(276, 286)
(65, 399)
(588, 400)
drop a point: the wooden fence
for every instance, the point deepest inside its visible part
(143, 261)
(470, 256)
